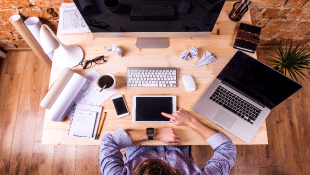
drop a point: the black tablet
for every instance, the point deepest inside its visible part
(148, 108)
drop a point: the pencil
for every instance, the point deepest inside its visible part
(100, 125)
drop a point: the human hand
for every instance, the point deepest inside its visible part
(180, 117)
(167, 135)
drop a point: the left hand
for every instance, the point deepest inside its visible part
(167, 135)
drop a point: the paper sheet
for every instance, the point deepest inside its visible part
(66, 97)
(97, 109)
(206, 58)
(89, 95)
(71, 21)
(83, 124)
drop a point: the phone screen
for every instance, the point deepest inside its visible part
(120, 106)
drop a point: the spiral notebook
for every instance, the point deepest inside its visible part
(84, 120)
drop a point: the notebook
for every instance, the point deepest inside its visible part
(247, 38)
(83, 124)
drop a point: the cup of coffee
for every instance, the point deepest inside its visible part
(112, 5)
(105, 81)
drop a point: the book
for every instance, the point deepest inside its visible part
(70, 88)
(247, 38)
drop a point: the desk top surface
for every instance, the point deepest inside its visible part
(220, 44)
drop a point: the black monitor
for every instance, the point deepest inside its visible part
(148, 20)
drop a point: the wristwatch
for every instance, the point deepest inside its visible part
(150, 133)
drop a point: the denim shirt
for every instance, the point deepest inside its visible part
(111, 159)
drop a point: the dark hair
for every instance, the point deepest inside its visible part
(152, 166)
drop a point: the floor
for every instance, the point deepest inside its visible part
(24, 82)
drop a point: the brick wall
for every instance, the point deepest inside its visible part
(281, 20)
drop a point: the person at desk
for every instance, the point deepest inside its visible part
(170, 160)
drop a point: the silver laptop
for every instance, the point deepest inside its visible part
(242, 95)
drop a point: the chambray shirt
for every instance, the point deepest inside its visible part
(111, 159)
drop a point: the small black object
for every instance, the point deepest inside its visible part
(237, 13)
(100, 25)
(120, 29)
(151, 12)
(88, 63)
(184, 7)
(150, 133)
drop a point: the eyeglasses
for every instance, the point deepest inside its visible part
(88, 63)
(100, 25)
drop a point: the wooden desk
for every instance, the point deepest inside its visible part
(220, 44)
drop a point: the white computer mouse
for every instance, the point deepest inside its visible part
(189, 83)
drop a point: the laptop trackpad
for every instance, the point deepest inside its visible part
(225, 119)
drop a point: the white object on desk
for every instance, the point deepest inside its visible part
(65, 55)
(189, 83)
(83, 124)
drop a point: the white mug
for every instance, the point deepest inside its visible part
(105, 74)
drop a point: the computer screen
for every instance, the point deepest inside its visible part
(190, 18)
(257, 80)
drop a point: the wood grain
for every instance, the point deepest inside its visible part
(271, 170)
(248, 160)
(2, 69)
(301, 104)
(26, 116)
(291, 152)
(42, 159)
(202, 154)
(41, 112)
(16, 62)
(10, 95)
(91, 166)
(64, 159)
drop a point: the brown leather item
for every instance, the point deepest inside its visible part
(247, 36)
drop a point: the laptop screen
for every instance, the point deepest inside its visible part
(257, 81)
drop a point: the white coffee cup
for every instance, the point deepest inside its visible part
(99, 88)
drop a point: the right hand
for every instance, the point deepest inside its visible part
(180, 117)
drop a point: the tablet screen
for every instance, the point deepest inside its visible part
(150, 108)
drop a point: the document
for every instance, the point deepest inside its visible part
(71, 21)
(83, 124)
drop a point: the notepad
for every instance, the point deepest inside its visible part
(83, 124)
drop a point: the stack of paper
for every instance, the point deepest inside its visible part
(206, 58)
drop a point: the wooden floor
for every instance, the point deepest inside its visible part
(24, 82)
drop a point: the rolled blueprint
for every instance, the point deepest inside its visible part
(57, 87)
(66, 97)
(21, 28)
(34, 25)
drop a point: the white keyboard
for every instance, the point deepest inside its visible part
(151, 77)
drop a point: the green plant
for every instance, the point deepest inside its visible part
(293, 60)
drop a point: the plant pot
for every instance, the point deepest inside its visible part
(276, 67)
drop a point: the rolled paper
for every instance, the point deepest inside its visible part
(57, 87)
(22, 29)
(34, 24)
(88, 7)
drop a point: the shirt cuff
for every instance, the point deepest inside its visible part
(121, 138)
(217, 139)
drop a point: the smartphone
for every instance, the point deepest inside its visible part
(120, 106)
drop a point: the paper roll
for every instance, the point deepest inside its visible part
(57, 87)
(22, 29)
(34, 24)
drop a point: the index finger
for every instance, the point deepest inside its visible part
(168, 115)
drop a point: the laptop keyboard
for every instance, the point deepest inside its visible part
(235, 104)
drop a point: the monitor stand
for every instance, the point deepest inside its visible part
(155, 42)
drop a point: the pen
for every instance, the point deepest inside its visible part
(100, 125)
(242, 9)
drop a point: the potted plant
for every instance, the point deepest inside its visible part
(292, 60)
